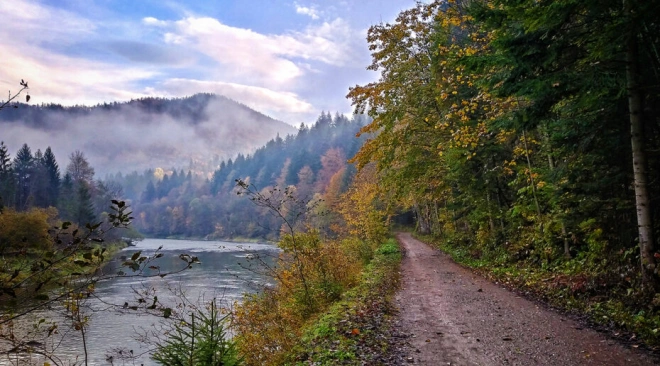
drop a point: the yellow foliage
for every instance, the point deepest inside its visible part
(359, 208)
(309, 275)
(23, 230)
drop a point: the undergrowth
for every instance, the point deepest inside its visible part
(349, 285)
(352, 331)
(351, 306)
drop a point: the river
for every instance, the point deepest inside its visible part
(226, 272)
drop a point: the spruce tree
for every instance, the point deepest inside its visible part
(39, 182)
(84, 213)
(23, 170)
(53, 174)
(6, 177)
(67, 201)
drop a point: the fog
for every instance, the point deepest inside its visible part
(147, 133)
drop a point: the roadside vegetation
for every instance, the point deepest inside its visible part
(523, 136)
(321, 280)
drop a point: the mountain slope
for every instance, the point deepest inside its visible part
(145, 133)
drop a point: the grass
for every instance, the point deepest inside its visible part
(350, 331)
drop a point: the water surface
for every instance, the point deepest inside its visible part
(226, 272)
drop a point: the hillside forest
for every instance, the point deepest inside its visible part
(522, 137)
(177, 203)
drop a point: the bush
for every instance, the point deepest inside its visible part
(309, 276)
(23, 230)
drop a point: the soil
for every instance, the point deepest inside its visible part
(451, 316)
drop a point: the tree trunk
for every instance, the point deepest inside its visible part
(531, 178)
(422, 220)
(642, 200)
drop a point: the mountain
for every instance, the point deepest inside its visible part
(193, 132)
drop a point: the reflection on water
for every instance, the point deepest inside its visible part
(224, 273)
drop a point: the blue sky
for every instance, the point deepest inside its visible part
(288, 59)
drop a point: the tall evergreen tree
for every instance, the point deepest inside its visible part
(149, 193)
(53, 173)
(67, 201)
(7, 192)
(39, 183)
(23, 169)
(84, 212)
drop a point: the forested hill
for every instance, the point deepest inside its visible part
(144, 133)
(313, 164)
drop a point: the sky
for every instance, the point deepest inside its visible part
(287, 59)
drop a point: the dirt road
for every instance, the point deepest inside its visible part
(454, 317)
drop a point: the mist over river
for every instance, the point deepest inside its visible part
(226, 272)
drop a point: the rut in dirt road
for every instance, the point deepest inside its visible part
(454, 317)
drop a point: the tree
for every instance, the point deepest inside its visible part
(67, 203)
(23, 171)
(579, 69)
(366, 217)
(7, 193)
(39, 184)
(149, 193)
(84, 211)
(200, 339)
(79, 168)
(53, 176)
(332, 162)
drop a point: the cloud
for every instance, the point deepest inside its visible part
(153, 21)
(311, 12)
(61, 79)
(269, 60)
(83, 57)
(32, 34)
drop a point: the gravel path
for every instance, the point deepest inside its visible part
(455, 317)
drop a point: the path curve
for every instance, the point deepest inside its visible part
(455, 317)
